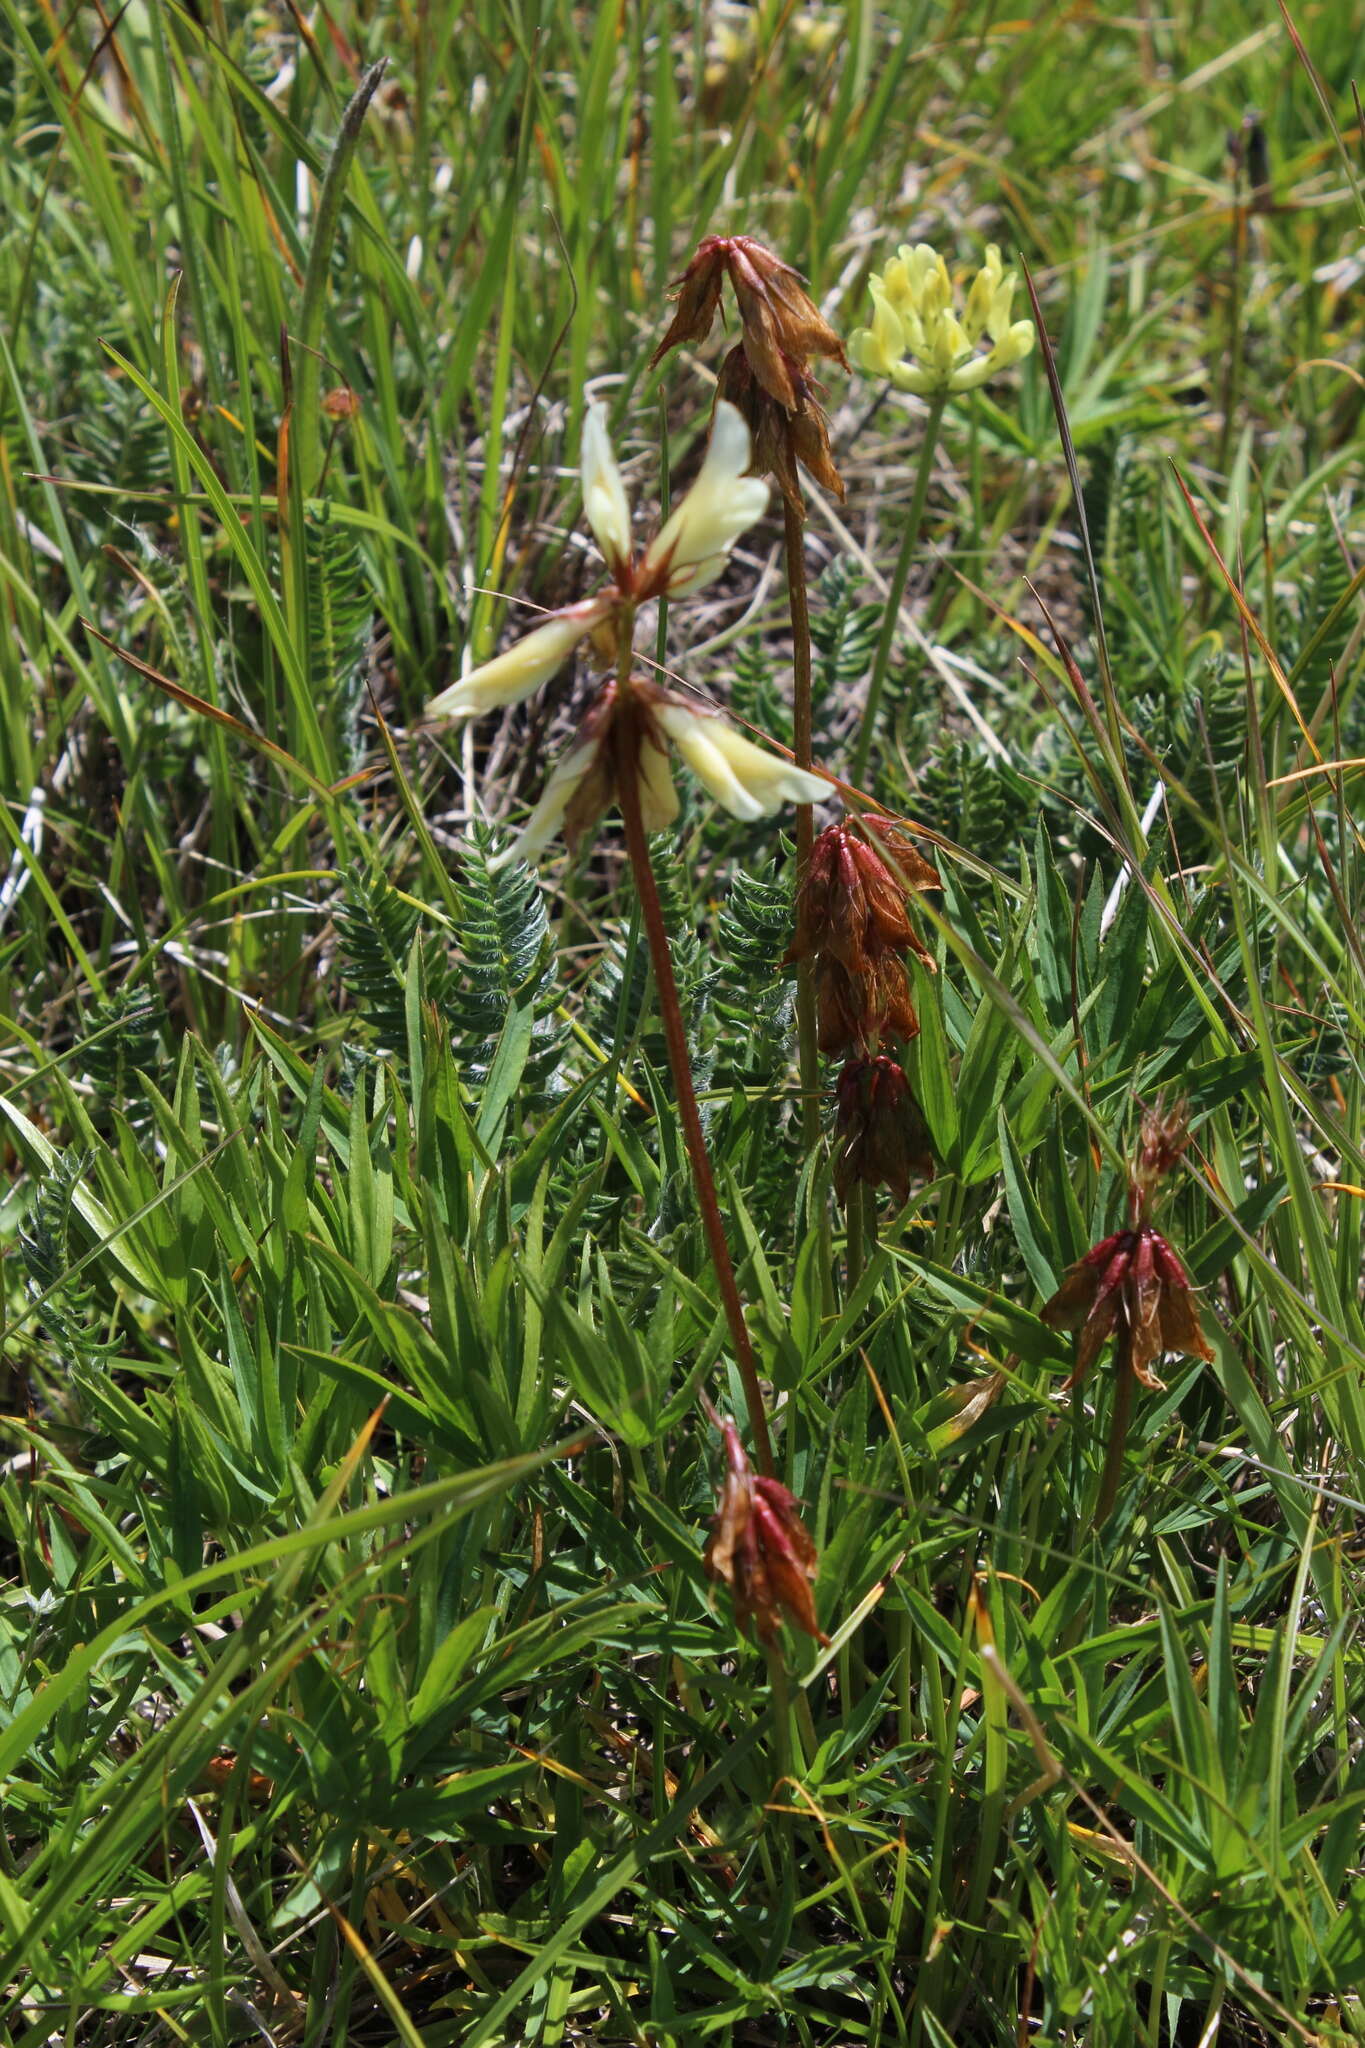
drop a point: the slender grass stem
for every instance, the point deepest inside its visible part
(899, 578)
(675, 1037)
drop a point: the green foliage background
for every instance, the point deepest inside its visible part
(336, 1725)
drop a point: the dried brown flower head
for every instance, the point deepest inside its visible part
(760, 1548)
(781, 323)
(784, 440)
(1162, 1141)
(880, 1136)
(340, 403)
(855, 1012)
(851, 905)
(768, 375)
(1134, 1287)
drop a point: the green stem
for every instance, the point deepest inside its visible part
(900, 577)
(675, 1037)
(1120, 1416)
(309, 337)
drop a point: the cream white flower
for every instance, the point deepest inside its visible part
(520, 672)
(605, 505)
(639, 723)
(917, 341)
(692, 548)
(744, 779)
(582, 786)
(548, 816)
(693, 545)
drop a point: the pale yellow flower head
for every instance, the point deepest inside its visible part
(920, 344)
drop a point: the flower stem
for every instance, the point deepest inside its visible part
(675, 1037)
(808, 1055)
(900, 576)
(1119, 1418)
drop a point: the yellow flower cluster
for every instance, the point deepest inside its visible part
(917, 340)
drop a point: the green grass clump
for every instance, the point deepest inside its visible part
(359, 1678)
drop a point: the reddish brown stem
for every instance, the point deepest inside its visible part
(808, 1056)
(675, 1037)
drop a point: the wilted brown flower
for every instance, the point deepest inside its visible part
(855, 1012)
(760, 1548)
(851, 905)
(340, 403)
(1134, 1287)
(880, 1136)
(783, 440)
(767, 376)
(781, 323)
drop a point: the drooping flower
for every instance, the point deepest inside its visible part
(638, 725)
(856, 1012)
(880, 1136)
(918, 342)
(780, 322)
(852, 920)
(760, 1548)
(630, 725)
(767, 375)
(851, 902)
(1133, 1287)
(690, 550)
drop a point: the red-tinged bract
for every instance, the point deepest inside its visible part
(880, 1136)
(1131, 1286)
(760, 1548)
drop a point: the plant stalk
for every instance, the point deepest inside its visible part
(900, 577)
(675, 1037)
(808, 1055)
(1120, 1417)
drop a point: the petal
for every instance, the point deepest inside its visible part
(605, 505)
(707, 763)
(722, 503)
(921, 382)
(998, 324)
(747, 780)
(658, 797)
(981, 297)
(518, 673)
(974, 374)
(548, 815)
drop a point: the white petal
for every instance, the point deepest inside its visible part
(658, 797)
(721, 504)
(523, 668)
(548, 815)
(770, 779)
(748, 781)
(605, 504)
